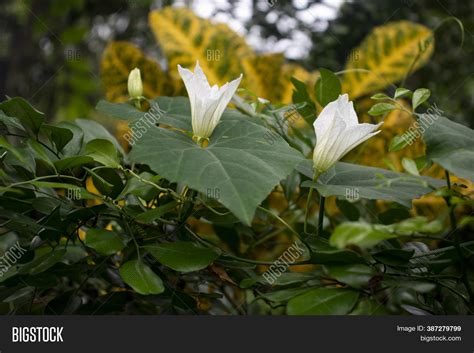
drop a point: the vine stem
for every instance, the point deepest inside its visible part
(162, 189)
(282, 221)
(238, 258)
(308, 203)
(452, 217)
(44, 178)
(322, 200)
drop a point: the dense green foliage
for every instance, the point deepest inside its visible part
(106, 231)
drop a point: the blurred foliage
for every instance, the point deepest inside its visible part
(186, 38)
(387, 55)
(118, 60)
(333, 41)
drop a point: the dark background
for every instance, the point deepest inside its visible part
(50, 49)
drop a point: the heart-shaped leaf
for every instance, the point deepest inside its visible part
(239, 164)
(356, 181)
(451, 145)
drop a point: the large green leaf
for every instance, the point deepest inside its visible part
(357, 181)
(328, 87)
(104, 241)
(43, 262)
(93, 130)
(323, 301)
(451, 145)
(22, 110)
(104, 152)
(183, 257)
(238, 162)
(141, 278)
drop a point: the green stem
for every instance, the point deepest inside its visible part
(308, 203)
(172, 192)
(43, 178)
(322, 200)
(138, 104)
(241, 259)
(452, 217)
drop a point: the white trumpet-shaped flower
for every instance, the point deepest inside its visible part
(207, 103)
(337, 132)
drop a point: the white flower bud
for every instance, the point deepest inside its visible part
(135, 86)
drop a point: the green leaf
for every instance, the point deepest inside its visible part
(348, 209)
(141, 278)
(43, 262)
(12, 124)
(394, 257)
(124, 111)
(284, 294)
(60, 136)
(71, 162)
(398, 143)
(381, 108)
(108, 182)
(104, 152)
(323, 301)
(151, 215)
(451, 145)
(325, 257)
(352, 181)
(22, 110)
(301, 95)
(410, 166)
(104, 241)
(369, 307)
(40, 152)
(352, 275)
(401, 92)
(92, 130)
(328, 87)
(239, 161)
(183, 256)
(417, 225)
(74, 147)
(363, 235)
(379, 96)
(420, 96)
(18, 156)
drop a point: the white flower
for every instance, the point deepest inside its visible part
(337, 132)
(207, 103)
(135, 86)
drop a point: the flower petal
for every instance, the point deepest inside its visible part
(226, 93)
(355, 135)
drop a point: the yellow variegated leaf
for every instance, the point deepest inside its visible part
(268, 76)
(118, 60)
(263, 75)
(386, 55)
(185, 38)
